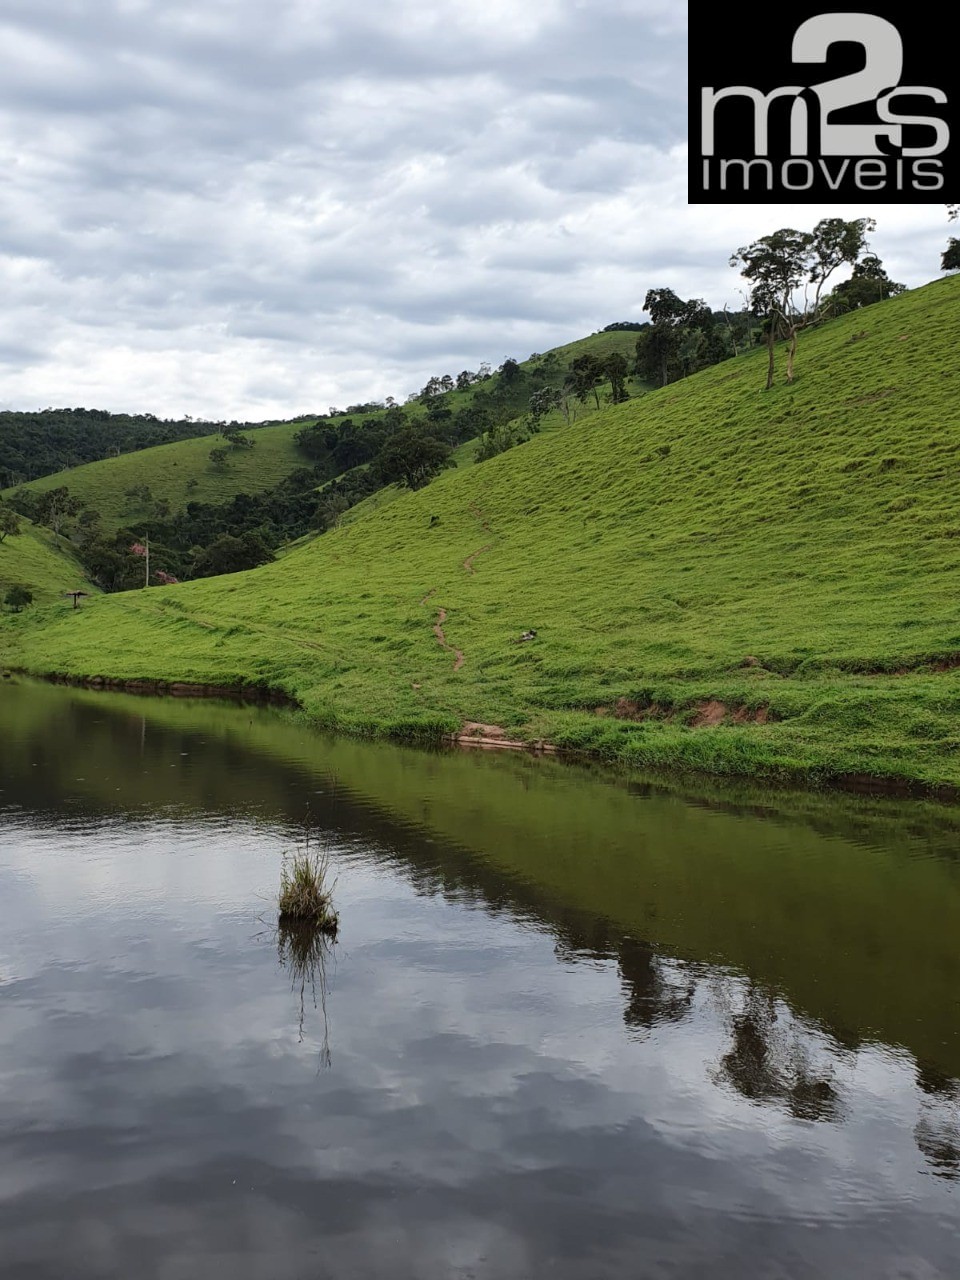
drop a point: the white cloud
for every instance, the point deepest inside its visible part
(248, 209)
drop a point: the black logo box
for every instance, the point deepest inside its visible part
(810, 154)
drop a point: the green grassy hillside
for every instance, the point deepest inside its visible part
(182, 472)
(169, 469)
(719, 578)
(622, 341)
(33, 559)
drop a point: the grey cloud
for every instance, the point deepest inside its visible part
(198, 201)
(19, 354)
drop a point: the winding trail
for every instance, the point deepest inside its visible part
(468, 563)
(438, 632)
(458, 655)
(485, 526)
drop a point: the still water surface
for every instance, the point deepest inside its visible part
(576, 1024)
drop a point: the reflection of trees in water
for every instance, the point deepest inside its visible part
(656, 988)
(580, 936)
(655, 991)
(939, 1140)
(935, 1084)
(769, 1060)
(774, 1057)
(937, 1132)
(303, 949)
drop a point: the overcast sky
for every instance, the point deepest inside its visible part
(243, 208)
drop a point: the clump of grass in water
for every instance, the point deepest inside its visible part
(305, 893)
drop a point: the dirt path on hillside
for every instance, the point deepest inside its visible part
(484, 525)
(438, 632)
(468, 563)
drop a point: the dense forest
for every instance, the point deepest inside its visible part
(51, 440)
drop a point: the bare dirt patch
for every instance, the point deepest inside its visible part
(492, 737)
(709, 714)
(713, 712)
(628, 709)
(946, 664)
(743, 715)
(475, 729)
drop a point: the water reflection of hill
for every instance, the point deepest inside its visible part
(820, 923)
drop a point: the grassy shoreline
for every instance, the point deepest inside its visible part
(723, 751)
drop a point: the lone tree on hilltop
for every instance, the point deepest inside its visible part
(778, 265)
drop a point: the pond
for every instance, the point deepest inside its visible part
(575, 1023)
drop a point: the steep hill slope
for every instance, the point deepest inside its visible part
(717, 577)
(34, 560)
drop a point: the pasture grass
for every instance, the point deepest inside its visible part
(36, 559)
